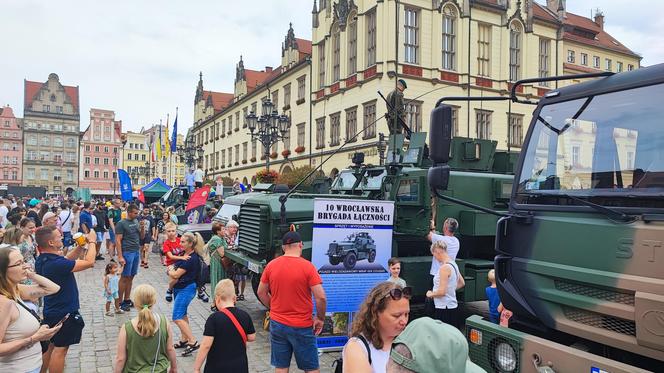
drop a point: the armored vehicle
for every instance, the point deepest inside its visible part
(357, 246)
(579, 252)
(480, 174)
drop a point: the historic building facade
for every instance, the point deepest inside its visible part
(11, 143)
(440, 48)
(100, 153)
(136, 154)
(51, 135)
(138, 158)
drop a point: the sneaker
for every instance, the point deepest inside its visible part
(169, 295)
(125, 306)
(130, 303)
(119, 311)
(202, 295)
(109, 313)
(240, 297)
(99, 257)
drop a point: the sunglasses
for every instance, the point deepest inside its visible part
(19, 263)
(397, 294)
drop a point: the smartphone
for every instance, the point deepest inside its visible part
(61, 321)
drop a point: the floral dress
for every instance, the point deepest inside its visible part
(217, 272)
(29, 251)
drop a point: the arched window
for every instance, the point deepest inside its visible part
(515, 51)
(57, 141)
(352, 43)
(45, 141)
(71, 142)
(449, 38)
(336, 53)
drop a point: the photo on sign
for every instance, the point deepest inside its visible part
(351, 250)
(336, 323)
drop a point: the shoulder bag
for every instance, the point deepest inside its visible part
(44, 344)
(339, 363)
(236, 323)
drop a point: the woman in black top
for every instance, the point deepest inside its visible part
(222, 343)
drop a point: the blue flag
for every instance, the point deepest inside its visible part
(125, 185)
(174, 138)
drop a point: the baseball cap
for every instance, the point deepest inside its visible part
(435, 347)
(34, 202)
(48, 215)
(291, 237)
(403, 83)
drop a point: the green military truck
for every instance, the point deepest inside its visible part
(357, 246)
(580, 252)
(480, 174)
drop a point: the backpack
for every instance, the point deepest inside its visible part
(203, 276)
(339, 363)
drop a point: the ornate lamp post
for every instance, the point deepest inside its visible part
(269, 128)
(190, 152)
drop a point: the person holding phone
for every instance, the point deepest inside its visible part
(60, 269)
(20, 331)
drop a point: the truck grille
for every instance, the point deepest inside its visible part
(595, 292)
(597, 320)
(253, 228)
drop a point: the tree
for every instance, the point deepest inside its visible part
(293, 177)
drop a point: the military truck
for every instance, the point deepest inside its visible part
(580, 250)
(357, 246)
(480, 174)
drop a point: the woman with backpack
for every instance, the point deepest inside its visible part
(226, 334)
(382, 316)
(145, 343)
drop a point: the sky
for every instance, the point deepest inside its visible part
(141, 59)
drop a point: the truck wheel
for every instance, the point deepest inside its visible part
(372, 256)
(350, 260)
(334, 261)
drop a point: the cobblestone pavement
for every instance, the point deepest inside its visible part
(97, 350)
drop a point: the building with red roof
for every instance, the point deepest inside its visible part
(11, 143)
(51, 135)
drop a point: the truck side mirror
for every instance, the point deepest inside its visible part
(440, 134)
(439, 177)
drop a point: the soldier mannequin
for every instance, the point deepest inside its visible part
(397, 110)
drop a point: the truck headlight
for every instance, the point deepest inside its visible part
(505, 357)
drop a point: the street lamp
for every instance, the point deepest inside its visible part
(190, 152)
(269, 128)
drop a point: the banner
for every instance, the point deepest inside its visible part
(125, 185)
(174, 138)
(195, 207)
(351, 244)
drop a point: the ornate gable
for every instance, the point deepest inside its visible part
(341, 11)
(239, 71)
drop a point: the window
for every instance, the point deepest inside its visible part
(96, 174)
(70, 175)
(46, 141)
(245, 147)
(483, 124)
(286, 96)
(515, 51)
(223, 158)
(87, 148)
(584, 59)
(32, 140)
(371, 37)
(630, 67)
(596, 62)
(544, 53)
(223, 126)
(87, 160)
(245, 112)
(230, 124)
(619, 67)
(455, 121)
(351, 124)
(106, 161)
(301, 87)
(570, 56)
(321, 64)
(44, 174)
(275, 99)
(449, 38)
(96, 160)
(86, 174)
(336, 54)
(369, 123)
(217, 127)
(484, 50)
(320, 133)
(237, 118)
(516, 130)
(97, 149)
(46, 109)
(31, 173)
(607, 64)
(71, 142)
(300, 134)
(254, 148)
(237, 153)
(207, 135)
(411, 37)
(352, 45)
(230, 156)
(105, 174)
(335, 129)
(414, 115)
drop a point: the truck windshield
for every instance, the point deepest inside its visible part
(226, 212)
(344, 181)
(372, 179)
(609, 146)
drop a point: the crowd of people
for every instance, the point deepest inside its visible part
(46, 242)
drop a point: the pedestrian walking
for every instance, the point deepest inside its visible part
(128, 246)
(114, 216)
(65, 220)
(184, 274)
(382, 316)
(63, 305)
(20, 330)
(286, 288)
(111, 282)
(217, 250)
(224, 344)
(161, 234)
(145, 343)
(102, 228)
(147, 231)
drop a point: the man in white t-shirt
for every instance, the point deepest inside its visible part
(198, 177)
(450, 227)
(64, 221)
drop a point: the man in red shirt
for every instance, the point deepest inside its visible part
(286, 288)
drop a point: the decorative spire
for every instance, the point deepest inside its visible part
(199, 89)
(239, 71)
(315, 10)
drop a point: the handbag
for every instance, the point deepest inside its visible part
(339, 363)
(236, 323)
(44, 344)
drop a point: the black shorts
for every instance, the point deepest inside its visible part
(71, 331)
(147, 240)
(199, 184)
